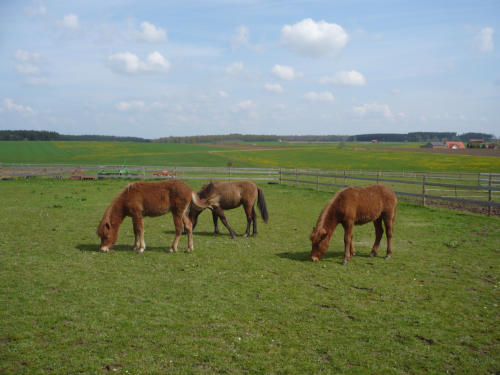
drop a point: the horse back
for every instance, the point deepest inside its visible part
(228, 195)
(363, 205)
(157, 198)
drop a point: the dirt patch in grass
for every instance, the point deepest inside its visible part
(461, 206)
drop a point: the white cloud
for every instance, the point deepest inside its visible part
(373, 109)
(240, 38)
(27, 65)
(131, 105)
(234, 68)
(223, 94)
(127, 62)
(70, 21)
(324, 96)
(37, 81)
(27, 68)
(26, 56)
(314, 38)
(11, 106)
(274, 87)
(485, 39)
(36, 10)
(151, 33)
(345, 78)
(286, 73)
(245, 105)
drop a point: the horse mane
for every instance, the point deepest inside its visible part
(206, 190)
(106, 218)
(320, 229)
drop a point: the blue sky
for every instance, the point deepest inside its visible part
(178, 67)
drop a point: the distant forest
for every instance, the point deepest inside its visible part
(35, 135)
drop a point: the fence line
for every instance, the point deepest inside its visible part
(405, 183)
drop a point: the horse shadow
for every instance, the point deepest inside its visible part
(95, 248)
(202, 234)
(304, 256)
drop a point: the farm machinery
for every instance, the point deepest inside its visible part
(79, 174)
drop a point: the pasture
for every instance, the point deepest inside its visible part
(385, 157)
(249, 305)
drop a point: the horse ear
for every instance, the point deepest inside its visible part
(317, 235)
(107, 227)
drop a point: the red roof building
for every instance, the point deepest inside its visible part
(455, 145)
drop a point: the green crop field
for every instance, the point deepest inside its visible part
(249, 305)
(268, 154)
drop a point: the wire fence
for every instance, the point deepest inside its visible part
(481, 190)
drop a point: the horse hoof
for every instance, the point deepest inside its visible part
(344, 262)
(315, 259)
(245, 235)
(172, 250)
(388, 256)
(373, 255)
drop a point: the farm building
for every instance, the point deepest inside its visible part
(434, 145)
(455, 145)
(476, 143)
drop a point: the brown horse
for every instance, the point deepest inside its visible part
(227, 195)
(141, 199)
(355, 206)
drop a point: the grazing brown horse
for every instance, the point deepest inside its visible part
(354, 206)
(222, 196)
(141, 199)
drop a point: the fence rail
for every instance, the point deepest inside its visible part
(478, 189)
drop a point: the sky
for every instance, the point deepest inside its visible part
(155, 69)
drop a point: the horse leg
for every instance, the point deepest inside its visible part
(220, 213)
(254, 219)
(352, 246)
(188, 227)
(348, 228)
(215, 218)
(248, 212)
(379, 231)
(138, 223)
(389, 224)
(178, 231)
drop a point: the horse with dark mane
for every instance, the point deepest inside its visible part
(222, 196)
(355, 206)
(141, 199)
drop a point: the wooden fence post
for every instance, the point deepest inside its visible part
(317, 182)
(489, 195)
(229, 173)
(280, 176)
(344, 179)
(423, 190)
(378, 176)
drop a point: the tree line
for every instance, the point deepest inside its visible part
(43, 135)
(37, 135)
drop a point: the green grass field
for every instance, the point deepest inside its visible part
(287, 155)
(241, 306)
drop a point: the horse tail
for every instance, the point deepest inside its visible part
(198, 203)
(261, 203)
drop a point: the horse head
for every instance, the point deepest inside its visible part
(107, 233)
(320, 242)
